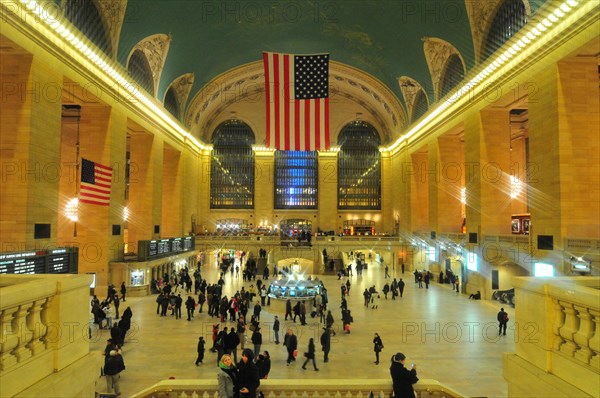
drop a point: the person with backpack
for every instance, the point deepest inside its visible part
(502, 321)
(112, 367)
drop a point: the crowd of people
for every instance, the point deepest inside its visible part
(232, 330)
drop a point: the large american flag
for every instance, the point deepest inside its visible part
(297, 94)
(95, 183)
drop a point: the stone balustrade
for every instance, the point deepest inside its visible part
(557, 332)
(273, 388)
(45, 335)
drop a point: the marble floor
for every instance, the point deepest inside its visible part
(450, 338)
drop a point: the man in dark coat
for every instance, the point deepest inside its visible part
(112, 367)
(230, 343)
(402, 378)
(291, 344)
(190, 305)
(200, 350)
(288, 309)
(502, 321)
(326, 344)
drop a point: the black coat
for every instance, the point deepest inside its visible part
(291, 342)
(326, 341)
(257, 338)
(377, 344)
(248, 377)
(310, 354)
(114, 365)
(264, 366)
(403, 379)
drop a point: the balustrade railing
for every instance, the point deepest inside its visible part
(44, 331)
(557, 328)
(576, 323)
(23, 321)
(284, 388)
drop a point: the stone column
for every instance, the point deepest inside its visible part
(328, 199)
(30, 150)
(171, 223)
(419, 199)
(487, 135)
(449, 183)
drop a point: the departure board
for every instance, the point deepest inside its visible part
(151, 249)
(60, 260)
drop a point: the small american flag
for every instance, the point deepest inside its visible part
(95, 183)
(297, 95)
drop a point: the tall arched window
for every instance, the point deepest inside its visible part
(232, 167)
(296, 180)
(86, 17)
(139, 70)
(420, 105)
(453, 74)
(359, 167)
(509, 19)
(171, 102)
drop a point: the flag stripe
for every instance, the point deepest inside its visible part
(268, 88)
(317, 110)
(326, 124)
(286, 100)
(95, 184)
(297, 103)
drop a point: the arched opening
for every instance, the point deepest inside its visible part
(171, 103)
(232, 166)
(453, 74)
(139, 69)
(509, 19)
(359, 167)
(85, 16)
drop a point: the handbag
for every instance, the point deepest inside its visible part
(295, 353)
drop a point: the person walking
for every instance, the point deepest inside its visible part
(375, 301)
(257, 341)
(190, 305)
(226, 377)
(402, 378)
(200, 350)
(326, 344)
(291, 344)
(276, 329)
(310, 355)
(288, 309)
(377, 347)
(502, 322)
(329, 322)
(123, 290)
(112, 367)
(248, 378)
(401, 287)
